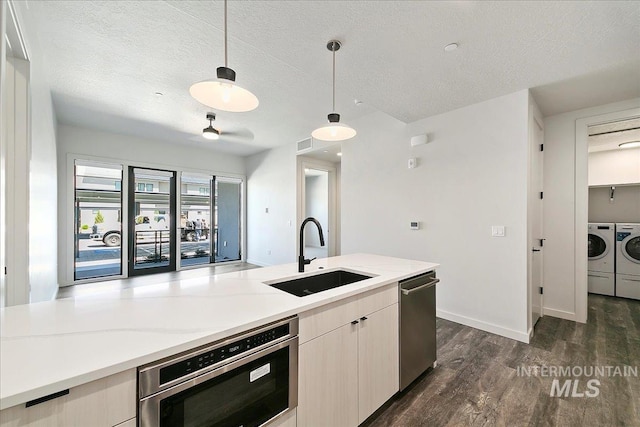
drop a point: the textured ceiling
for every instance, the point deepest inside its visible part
(105, 60)
(609, 136)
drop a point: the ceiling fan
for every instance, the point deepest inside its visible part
(224, 133)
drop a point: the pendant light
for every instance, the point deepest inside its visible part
(211, 132)
(223, 93)
(334, 131)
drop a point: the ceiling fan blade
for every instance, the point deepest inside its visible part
(244, 134)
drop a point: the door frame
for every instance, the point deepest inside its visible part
(333, 231)
(534, 241)
(581, 212)
(131, 218)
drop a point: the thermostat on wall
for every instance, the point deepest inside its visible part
(414, 225)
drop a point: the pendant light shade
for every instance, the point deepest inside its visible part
(334, 130)
(223, 93)
(210, 132)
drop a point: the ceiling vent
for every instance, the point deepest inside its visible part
(305, 145)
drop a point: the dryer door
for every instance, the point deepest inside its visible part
(597, 247)
(631, 248)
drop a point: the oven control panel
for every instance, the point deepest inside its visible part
(214, 356)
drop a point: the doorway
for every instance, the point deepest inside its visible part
(152, 221)
(613, 206)
(536, 233)
(227, 219)
(581, 219)
(316, 190)
(318, 198)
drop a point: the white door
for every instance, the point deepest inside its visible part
(536, 262)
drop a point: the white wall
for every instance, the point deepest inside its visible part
(472, 175)
(75, 142)
(33, 221)
(625, 206)
(271, 184)
(560, 206)
(614, 167)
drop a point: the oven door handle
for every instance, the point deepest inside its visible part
(149, 406)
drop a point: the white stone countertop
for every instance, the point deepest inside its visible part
(54, 345)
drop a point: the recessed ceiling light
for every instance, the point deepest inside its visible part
(326, 151)
(451, 47)
(630, 144)
(339, 154)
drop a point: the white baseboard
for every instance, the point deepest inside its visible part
(484, 326)
(559, 313)
(260, 263)
(530, 333)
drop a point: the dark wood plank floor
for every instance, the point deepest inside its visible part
(476, 382)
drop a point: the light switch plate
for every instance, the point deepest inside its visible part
(497, 231)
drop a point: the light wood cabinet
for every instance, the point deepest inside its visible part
(378, 364)
(133, 422)
(106, 402)
(328, 379)
(349, 371)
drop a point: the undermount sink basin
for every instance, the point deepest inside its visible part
(310, 285)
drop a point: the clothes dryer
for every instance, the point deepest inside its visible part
(601, 253)
(628, 260)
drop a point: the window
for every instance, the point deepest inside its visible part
(140, 186)
(98, 202)
(204, 190)
(149, 187)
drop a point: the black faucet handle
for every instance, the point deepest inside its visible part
(308, 261)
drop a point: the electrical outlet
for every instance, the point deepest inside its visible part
(497, 231)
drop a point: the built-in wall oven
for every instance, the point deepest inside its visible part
(245, 380)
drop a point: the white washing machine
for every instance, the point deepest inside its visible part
(628, 260)
(601, 252)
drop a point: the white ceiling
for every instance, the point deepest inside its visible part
(105, 60)
(609, 136)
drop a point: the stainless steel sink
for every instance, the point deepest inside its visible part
(310, 285)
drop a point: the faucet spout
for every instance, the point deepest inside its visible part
(302, 261)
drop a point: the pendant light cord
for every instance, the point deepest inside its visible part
(334, 80)
(225, 33)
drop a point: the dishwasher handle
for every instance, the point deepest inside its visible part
(417, 288)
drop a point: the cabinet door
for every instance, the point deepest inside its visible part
(378, 364)
(101, 403)
(328, 379)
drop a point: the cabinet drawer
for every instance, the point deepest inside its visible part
(321, 320)
(105, 402)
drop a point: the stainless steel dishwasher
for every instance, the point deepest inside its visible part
(417, 326)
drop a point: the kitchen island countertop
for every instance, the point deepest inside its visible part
(55, 345)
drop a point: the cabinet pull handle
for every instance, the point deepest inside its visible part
(363, 318)
(355, 322)
(46, 398)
